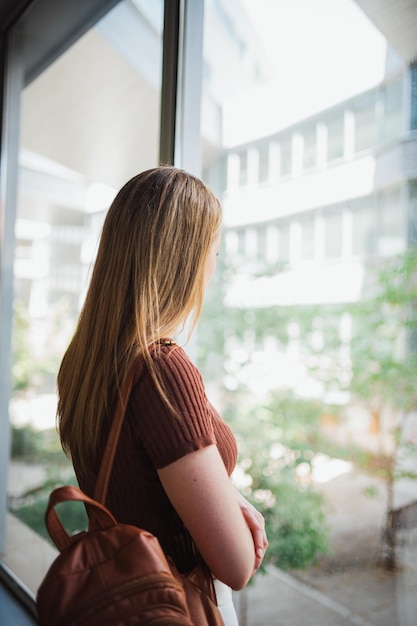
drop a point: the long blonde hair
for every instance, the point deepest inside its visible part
(148, 279)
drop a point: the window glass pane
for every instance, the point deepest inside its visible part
(251, 243)
(364, 227)
(309, 147)
(393, 120)
(284, 242)
(314, 366)
(365, 121)
(243, 168)
(307, 238)
(286, 156)
(392, 227)
(264, 150)
(333, 234)
(89, 122)
(335, 135)
(261, 251)
(413, 85)
(271, 243)
(412, 219)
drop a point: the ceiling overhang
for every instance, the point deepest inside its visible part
(397, 21)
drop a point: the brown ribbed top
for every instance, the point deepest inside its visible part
(152, 438)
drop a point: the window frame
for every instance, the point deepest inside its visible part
(179, 144)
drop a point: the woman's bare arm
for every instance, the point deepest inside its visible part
(203, 496)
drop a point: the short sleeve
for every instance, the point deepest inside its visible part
(166, 437)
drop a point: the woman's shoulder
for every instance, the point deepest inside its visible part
(172, 364)
(168, 355)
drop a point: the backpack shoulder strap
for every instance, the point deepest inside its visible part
(103, 478)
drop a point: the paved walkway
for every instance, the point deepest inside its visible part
(279, 599)
(346, 587)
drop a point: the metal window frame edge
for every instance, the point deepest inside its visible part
(180, 139)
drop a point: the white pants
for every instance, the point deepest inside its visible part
(225, 603)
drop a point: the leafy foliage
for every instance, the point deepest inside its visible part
(372, 362)
(35, 368)
(24, 364)
(37, 446)
(31, 510)
(274, 443)
(295, 526)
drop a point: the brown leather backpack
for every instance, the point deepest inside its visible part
(111, 574)
(115, 574)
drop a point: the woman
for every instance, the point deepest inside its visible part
(175, 455)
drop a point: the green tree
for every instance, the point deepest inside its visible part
(383, 376)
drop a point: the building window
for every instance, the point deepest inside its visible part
(264, 162)
(333, 234)
(335, 135)
(309, 147)
(393, 118)
(364, 227)
(251, 243)
(241, 234)
(271, 243)
(286, 156)
(391, 222)
(412, 217)
(283, 242)
(364, 109)
(261, 243)
(243, 168)
(307, 238)
(231, 244)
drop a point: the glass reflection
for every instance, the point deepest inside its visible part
(89, 122)
(308, 335)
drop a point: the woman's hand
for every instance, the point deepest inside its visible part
(256, 524)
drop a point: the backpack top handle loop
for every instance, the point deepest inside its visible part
(99, 516)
